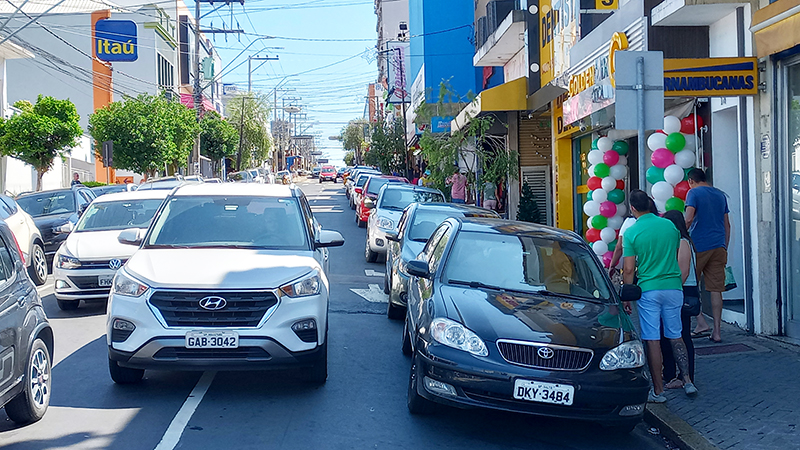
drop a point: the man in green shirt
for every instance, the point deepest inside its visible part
(651, 245)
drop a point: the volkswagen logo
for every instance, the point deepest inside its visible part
(114, 264)
(213, 303)
(545, 353)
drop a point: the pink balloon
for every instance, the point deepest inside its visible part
(608, 209)
(607, 259)
(662, 158)
(611, 158)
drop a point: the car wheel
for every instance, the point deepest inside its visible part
(68, 305)
(369, 254)
(124, 375)
(361, 223)
(31, 404)
(406, 348)
(387, 273)
(417, 404)
(38, 267)
(395, 312)
(621, 428)
(320, 181)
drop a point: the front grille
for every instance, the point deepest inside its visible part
(243, 308)
(87, 282)
(526, 354)
(96, 264)
(241, 353)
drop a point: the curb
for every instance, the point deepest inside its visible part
(675, 428)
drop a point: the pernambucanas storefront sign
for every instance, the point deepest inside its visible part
(115, 40)
(710, 77)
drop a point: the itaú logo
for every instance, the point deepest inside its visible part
(213, 303)
(545, 352)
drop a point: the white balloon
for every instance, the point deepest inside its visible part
(656, 141)
(623, 160)
(590, 170)
(673, 174)
(608, 184)
(592, 208)
(589, 223)
(661, 205)
(661, 191)
(600, 247)
(672, 124)
(618, 171)
(595, 157)
(613, 133)
(599, 195)
(621, 211)
(604, 144)
(607, 235)
(685, 158)
(690, 141)
(615, 223)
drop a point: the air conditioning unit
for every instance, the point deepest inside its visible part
(497, 11)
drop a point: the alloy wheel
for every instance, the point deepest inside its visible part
(40, 378)
(39, 262)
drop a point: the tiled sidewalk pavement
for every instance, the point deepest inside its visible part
(749, 400)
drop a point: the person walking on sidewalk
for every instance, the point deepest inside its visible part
(707, 221)
(458, 187)
(651, 245)
(490, 195)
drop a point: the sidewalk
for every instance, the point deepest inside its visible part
(749, 396)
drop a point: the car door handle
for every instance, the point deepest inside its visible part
(21, 300)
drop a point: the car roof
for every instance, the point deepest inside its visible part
(413, 187)
(243, 189)
(148, 194)
(516, 228)
(467, 210)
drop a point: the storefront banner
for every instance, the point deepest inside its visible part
(566, 32)
(548, 19)
(397, 72)
(562, 128)
(599, 96)
(710, 77)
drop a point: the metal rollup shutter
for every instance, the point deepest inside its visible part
(535, 142)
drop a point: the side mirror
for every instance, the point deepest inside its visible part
(64, 229)
(392, 236)
(328, 238)
(630, 293)
(82, 209)
(418, 268)
(358, 190)
(369, 203)
(130, 236)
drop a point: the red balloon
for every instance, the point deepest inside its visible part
(681, 189)
(661, 131)
(594, 183)
(687, 123)
(593, 235)
(620, 184)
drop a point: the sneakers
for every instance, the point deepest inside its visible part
(660, 398)
(690, 389)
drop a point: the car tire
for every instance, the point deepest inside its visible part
(124, 375)
(68, 305)
(395, 312)
(417, 404)
(38, 267)
(31, 404)
(406, 347)
(320, 181)
(621, 428)
(369, 255)
(387, 274)
(361, 223)
(318, 373)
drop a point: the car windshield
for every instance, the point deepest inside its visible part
(377, 183)
(526, 263)
(236, 222)
(118, 215)
(238, 176)
(46, 203)
(398, 199)
(426, 222)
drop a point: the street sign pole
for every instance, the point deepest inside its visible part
(640, 119)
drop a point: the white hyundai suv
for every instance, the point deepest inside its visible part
(228, 276)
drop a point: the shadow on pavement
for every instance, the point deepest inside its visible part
(86, 309)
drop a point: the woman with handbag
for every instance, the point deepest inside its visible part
(691, 304)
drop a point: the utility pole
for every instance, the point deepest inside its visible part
(250, 70)
(241, 132)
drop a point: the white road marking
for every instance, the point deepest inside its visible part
(372, 273)
(373, 295)
(173, 434)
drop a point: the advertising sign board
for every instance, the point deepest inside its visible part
(710, 77)
(115, 40)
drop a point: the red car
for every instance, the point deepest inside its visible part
(327, 173)
(369, 193)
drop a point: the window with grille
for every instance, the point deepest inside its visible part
(166, 75)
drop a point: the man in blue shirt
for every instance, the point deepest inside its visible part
(707, 220)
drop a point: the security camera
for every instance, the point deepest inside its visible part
(582, 126)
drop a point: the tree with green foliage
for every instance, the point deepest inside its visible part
(387, 149)
(249, 114)
(149, 132)
(349, 158)
(40, 133)
(218, 138)
(353, 138)
(528, 208)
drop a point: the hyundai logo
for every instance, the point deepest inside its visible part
(545, 353)
(213, 303)
(114, 264)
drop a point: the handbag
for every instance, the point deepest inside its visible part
(691, 301)
(730, 282)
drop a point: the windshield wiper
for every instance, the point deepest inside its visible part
(478, 284)
(547, 293)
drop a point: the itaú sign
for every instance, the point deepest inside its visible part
(115, 40)
(710, 77)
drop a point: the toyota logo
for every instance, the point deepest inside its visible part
(213, 303)
(545, 353)
(114, 264)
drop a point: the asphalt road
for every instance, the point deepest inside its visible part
(363, 404)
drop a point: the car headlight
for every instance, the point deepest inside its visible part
(68, 262)
(628, 355)
(388, 224)
(453, 334)
(124, 284)
(309, 285)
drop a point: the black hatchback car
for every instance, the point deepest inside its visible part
(26, 339)
(520, 317)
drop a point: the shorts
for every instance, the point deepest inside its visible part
(490, 204)
(711, 264)
(660, 306)
(458, 200)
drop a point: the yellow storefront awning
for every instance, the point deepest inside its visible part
(511, 96)
(776, 27)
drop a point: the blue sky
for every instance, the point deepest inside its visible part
(314, 34)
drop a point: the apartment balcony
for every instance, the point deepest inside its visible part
(691, 13)
(498, 47)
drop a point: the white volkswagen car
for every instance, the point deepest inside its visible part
(228, 276)
(85, 264)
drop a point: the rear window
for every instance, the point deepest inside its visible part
(118, 215)
(46, 203)
(398, 199)
(376, 184)
(361, 180)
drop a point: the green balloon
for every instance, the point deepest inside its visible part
(589, 195)
(686, 173)
(599, 222)
(601, 170)
(675, 204)
(620, 147)
(594, 144)
(655, 174)
(616, 196)
(675, 142)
